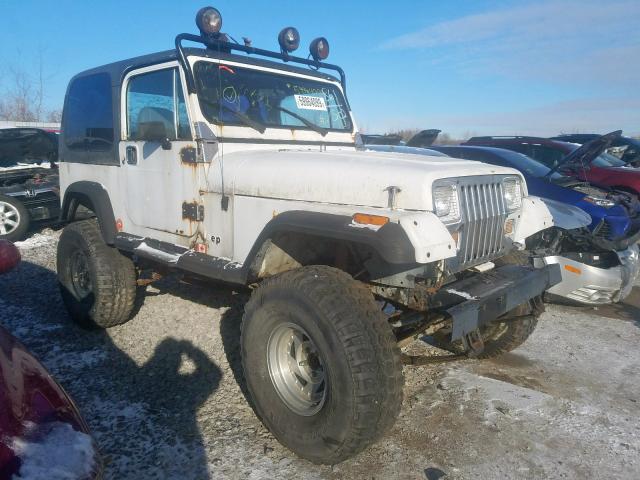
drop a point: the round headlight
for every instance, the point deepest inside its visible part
(209, 21)
(319, 48)
(289, 39)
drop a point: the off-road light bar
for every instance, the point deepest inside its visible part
(289, 39)
(319, 49)
(209, 21)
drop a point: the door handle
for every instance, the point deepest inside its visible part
(132, 155)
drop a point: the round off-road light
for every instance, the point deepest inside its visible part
(319, 48)
(209, 21)
(289, 39)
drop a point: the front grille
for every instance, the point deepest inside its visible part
(484, 213)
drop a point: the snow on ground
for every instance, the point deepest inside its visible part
(54, 451)
(37, 240)
(162, 394)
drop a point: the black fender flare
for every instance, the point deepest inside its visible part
(390, 241)
(94, 196)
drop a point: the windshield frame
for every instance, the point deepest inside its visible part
(282, 73)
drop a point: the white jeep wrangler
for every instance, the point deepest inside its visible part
(231, 167)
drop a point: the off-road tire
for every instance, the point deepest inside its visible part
(112, 277)
(355, 342)
(507, 332)
(18, 232)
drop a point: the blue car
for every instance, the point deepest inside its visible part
(615, 214)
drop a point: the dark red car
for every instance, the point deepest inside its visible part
(42, 434)
(602, 169)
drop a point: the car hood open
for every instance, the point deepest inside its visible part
(588, 152)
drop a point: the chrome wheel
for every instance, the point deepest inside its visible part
(296, 369)
(80, 275)
(9, 218)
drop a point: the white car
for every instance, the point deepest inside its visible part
(245, 170)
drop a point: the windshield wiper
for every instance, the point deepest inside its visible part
(250, 122)
(311, 125)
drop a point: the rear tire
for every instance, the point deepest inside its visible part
(316, 328)
(14, 219)
(97, 282)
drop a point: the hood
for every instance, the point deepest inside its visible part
(588, 152)
(347, 177)
(27, 146)
(425, 138)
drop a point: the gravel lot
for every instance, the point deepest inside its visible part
(162, 393)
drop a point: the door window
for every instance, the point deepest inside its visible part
(156, 107)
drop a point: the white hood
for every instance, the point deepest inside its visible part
(346, 177)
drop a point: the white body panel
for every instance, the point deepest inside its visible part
(347, 177)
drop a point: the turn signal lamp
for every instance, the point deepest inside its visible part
(572, 269)
(366, 219)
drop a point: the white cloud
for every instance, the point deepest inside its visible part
(583, 42)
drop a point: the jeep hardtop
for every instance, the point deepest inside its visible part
(221, 163)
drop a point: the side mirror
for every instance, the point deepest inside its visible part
(154, 132)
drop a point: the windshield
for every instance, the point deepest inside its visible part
(605, 160)
(527, 164)
(233, 95)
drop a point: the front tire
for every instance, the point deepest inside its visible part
(321, 363)
(97, 282)
(14, 219)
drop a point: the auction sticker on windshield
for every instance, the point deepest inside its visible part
(307, 102)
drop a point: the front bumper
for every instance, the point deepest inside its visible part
(590, 285)
(483, 297)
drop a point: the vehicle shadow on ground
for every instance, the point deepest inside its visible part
(217, 296)
(135, 411)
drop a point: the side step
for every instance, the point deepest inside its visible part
(181, 258)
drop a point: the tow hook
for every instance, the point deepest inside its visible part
(473, 343)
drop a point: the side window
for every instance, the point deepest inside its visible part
(88, 114)
(549, 156)
(156, 107)
(523, 148)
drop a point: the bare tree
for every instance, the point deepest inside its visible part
(23, 97)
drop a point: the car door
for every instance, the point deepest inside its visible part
(157, 137)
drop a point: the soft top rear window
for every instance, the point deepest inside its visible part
(233, 95)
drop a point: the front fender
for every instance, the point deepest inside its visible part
(541, 213)
(429, 237)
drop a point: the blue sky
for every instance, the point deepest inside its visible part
(482, 67)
